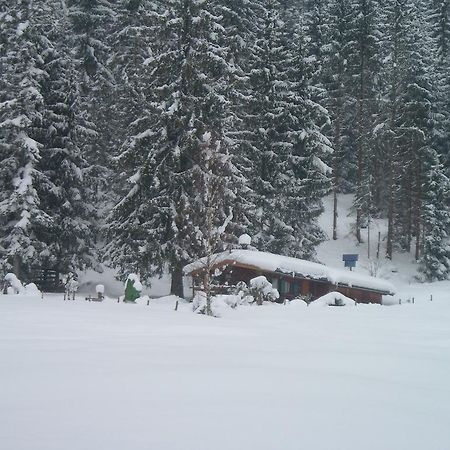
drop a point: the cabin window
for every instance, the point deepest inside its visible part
(274, 282)
(296, 288)
(285, 286)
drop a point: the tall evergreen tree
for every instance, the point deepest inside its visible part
(176, 147)
(285, 143)
(66, 194)
(23, 222)
(439, 29)
(337, 81)
(364, 65)
(435, 246)
(91, 26)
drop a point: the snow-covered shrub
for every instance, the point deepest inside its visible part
(15, 286)
(333, 299)
(199, 304)
(232, 301)
(133, 288)
(260, 290)
(32, 289)
(14, 283)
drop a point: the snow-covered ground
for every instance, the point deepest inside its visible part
(77, 375)
(81, 375)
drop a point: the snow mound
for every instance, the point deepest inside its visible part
(32, 289)
(297, 303)
(16, 286)
(333, 299)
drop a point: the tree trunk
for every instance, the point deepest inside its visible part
(337, 151)
(16, 266)
(176, 287)
(335, 213)
(390, 232)
(418, 213)
(360, 136)
(207, 287)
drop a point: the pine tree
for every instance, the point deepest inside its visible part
(23, 222)
(65, 195)
(175, 147)
(285, 143)
(408, 126)
(90, 28)
(337, 83)
(390, 129)
(435, 251)
(439, 29)
(364, 64)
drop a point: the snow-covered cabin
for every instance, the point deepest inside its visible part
(291, 276)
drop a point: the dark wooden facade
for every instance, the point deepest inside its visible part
(289, 286)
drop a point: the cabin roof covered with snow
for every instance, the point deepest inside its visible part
(270, 262)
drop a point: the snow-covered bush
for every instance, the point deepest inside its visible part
(199, 304)
(14, 283)
(260, 290)
(15, 286)
(231, 301)
(333, 299)
(219, 303)
(133, 288)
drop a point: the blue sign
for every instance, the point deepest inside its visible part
(350, 260)
(350, 257)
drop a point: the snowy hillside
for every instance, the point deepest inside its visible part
(81, 375)
(402, 269)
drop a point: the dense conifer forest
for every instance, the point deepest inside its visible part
(147, 133)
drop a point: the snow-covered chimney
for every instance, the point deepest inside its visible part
(244, 241)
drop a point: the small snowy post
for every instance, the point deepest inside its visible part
(133, 288)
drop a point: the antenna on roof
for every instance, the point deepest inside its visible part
(245, 241)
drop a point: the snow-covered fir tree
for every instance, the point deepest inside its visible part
(337, 83)
(438, 15)
(90, 32)
(43, 195)
(435, 219)
(23, 222)
(66, 194)
(364, 64)
(284, 143)
(175, 147)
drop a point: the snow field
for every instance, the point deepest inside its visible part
(83, 375)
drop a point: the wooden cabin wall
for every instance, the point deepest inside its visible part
(360, 295)
(232, 275)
